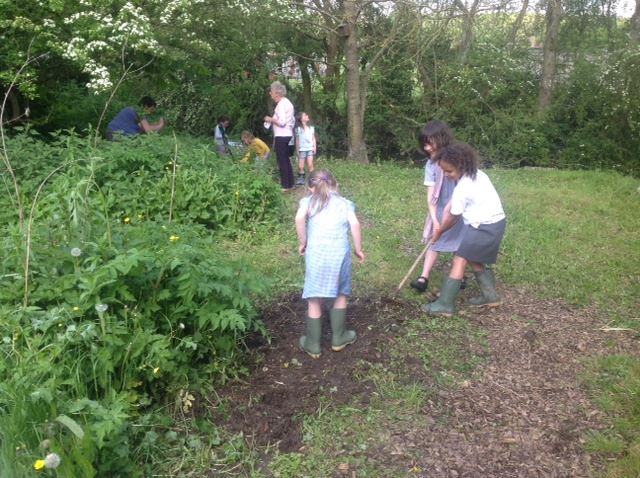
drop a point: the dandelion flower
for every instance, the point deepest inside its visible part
(127, 220)
(76, 252)
(101, 308)
(52, 461)
(174, 238)
(38, 465)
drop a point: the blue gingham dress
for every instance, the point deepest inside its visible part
(328, 254)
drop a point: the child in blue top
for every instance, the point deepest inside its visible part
(434, 136)
(476, 204)
(323, 222)
(305, 144)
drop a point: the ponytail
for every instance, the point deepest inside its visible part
(323, 184)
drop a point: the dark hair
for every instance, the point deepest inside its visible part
(147, 102)
(222, 118)
(462, 157)
(436, 133)
(323, 184)
(299, 118)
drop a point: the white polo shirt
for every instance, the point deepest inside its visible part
(477, 200)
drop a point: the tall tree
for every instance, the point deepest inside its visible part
(515, 28)
(469, 16)
(549, 54)
(355, 120)
(634, 26)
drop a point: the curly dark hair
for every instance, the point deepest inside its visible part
(437, 133)
(462, 157)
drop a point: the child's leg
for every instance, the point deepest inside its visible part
(487, 284)
(340, 336)
(340, 302)
(445, 305)
(300, 164)
(310, 163)
(458, 265)
(310, 341)
(422, 282)
(314, 308)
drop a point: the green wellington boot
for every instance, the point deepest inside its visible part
(310, 341)
(489, 296)
(340, 336)
(446, 303)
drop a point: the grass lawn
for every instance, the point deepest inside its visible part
(571, 235)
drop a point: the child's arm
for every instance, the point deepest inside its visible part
(247, 155)
(432, 208)
(356, 235)
(301, 230)
(448, 221)
(313, 140)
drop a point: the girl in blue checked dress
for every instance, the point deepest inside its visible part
(323, 222)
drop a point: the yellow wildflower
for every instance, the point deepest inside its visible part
(76, 308)
(156, 370)
(127, 220)
(39, 465)
(174, 238)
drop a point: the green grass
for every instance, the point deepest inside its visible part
(614, 382)
(571, 235)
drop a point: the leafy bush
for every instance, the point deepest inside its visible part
(119, 310)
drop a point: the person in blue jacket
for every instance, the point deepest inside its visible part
(128, 123)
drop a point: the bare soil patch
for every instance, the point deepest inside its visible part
(523, 413)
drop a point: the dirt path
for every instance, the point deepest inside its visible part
(523, 413)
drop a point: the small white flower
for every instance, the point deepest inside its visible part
(101, 308)
(181, 325)
(76, 252)
(52, 461)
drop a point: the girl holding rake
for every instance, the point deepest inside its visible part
(434, 136)
(476, 201)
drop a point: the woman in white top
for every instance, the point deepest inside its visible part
(282, 120)
(476, 201)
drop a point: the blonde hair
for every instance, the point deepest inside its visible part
(246, 135)
(323, 184)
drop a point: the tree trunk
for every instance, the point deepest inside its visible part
(634, 26)
(355, 119)
(549, 54)
(467, 29)
(513, 35)
(306, 86)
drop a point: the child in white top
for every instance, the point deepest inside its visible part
(477, 202)
(305, 144)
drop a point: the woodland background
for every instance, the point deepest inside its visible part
(549, 83)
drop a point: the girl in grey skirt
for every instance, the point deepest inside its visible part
(476, 201)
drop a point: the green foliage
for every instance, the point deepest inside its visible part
(615, 385)
(121, 309)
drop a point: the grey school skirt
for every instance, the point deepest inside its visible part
(481, 244)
